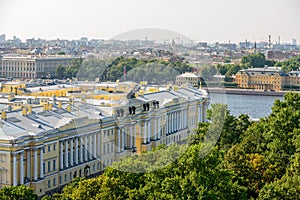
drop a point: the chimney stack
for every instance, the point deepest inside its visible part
(3, 115)
(24, 111)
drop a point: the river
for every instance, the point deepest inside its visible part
(253, 105)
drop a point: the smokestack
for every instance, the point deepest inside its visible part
(279, 40)
(269, 41)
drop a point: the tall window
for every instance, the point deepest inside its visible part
(44, 168)
(54, 182)
(49, 166)
(54, 164)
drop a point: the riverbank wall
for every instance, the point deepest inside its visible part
(246, 92)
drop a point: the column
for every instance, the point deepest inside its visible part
(76, 150)
(179, 120)
(35, 167)
(15, 182)
(95, 146)
(99, 145)
(22, 168)
(149, 130)
(119, 140)
(67, 153)
(176, 121)
(61, 155)
(159, 131)
(91, 146)
(186, 118)
(130, 136)
(28, 164)
(41, 163)
(172, 122)
(134, 135)
(123, 140)
(71, 152)
(155, 129)
(167, 124)
(201, 110)
(145, 132)
(199, 114)
(174, 118)
(182, 120)
(81, 149)
(85, 148)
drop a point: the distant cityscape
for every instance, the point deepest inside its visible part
(199, 51)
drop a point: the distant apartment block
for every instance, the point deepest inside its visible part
(31, 67)
(276, 55)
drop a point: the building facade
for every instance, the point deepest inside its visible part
(266, 79)
(47, 142)
(31, 67)
(188, 77)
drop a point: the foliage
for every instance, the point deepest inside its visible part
(290, 64)
(60, 72)
(133, 69)
(254, 60)
(17, 192)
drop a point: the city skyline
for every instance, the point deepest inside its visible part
(211, 21)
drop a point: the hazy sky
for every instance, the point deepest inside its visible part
(205, 20)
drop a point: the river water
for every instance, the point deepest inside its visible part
(255, 106)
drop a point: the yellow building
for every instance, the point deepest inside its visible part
(46, 145)
(262, 79)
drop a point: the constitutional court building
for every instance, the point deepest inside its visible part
(47, 142)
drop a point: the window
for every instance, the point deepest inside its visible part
(49, 148)
(43, 149)
(49, 184)
(54, 164)
(66, 178)
(54, 147)
(49, 166)
(54, 182)
(104, 148)
(44, 168)
(60, 181)
(2, 158)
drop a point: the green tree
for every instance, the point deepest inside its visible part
(254, 60)
(60, 72)
(17, 192)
